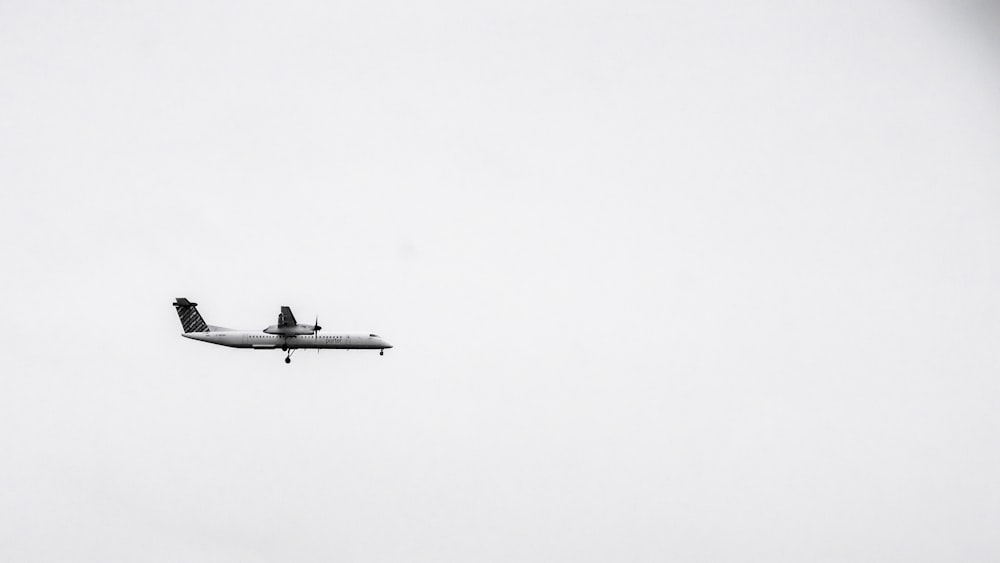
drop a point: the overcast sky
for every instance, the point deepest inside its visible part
(667, 281)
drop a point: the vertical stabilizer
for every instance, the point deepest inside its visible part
(190, 317)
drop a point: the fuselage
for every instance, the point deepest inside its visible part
(260, 341)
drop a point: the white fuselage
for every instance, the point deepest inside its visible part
(260, 341)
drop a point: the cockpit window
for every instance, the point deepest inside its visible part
(374, 336)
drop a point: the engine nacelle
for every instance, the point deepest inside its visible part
(295, 330)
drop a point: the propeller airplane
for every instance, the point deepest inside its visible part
(287, 335)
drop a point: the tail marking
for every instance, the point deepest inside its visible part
(190, 318)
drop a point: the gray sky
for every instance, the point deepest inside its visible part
(667, 281)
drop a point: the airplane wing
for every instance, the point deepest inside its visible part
(286, 318)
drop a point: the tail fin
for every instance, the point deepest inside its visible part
(190, 318)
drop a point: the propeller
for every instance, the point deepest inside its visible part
(316, 329)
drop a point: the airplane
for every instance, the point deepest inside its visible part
(287, 334)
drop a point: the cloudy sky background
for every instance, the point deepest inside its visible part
(667, 281)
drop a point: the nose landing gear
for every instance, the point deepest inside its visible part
(381, 352)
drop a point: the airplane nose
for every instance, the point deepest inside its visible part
(387, 345)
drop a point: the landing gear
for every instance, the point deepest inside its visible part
(288, 358)
(381, 352)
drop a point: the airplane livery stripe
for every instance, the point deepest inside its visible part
(190, 318)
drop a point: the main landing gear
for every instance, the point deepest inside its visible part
(288, 358)
(381, 352)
